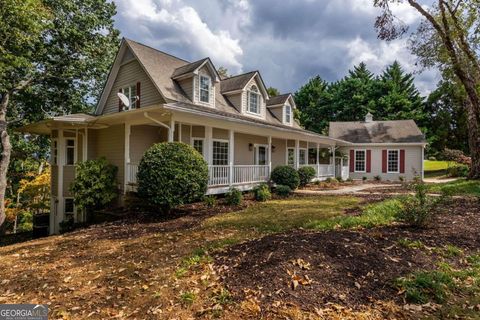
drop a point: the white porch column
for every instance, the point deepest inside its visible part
(334, 162)
(297, 154)
(171, 131)
(59, 214)
(209, 145)
(128, 129)
(269, 155)
(231, 154)
(318, 160)
(179, 132)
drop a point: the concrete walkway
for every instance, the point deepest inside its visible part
(439, 180)
(348, 190)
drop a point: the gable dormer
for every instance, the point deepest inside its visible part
(247, 93)
(197, 80)
(282, 107)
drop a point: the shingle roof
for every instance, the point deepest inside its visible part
(397, 131)
(280, 99)
(236, 82)
(188, 68)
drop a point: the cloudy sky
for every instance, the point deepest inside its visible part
(289, 41)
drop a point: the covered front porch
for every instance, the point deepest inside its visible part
(236, 156)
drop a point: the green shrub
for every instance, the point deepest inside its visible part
(262, 192)
(417, 211)
(364, 178)
(306, 174)
(340, 179)
(456, 171)
(285, 175)
(95, 184)
(233, 197)
(283, 191)
(377, 178)
(210, 201)
(171, 174)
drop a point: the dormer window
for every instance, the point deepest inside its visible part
(205, 84)
(131, 93)
(288, 114)
(254, 100)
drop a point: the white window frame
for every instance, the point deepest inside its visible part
(305, 150)
(256, 154)
(364, 160)
(192, 143)
(398, 160)
(74, 150)
(133, 101)
(228, 153)
(259, 105)
(289, 108)
(65, 206)
(54, 153)
(200, 89)
(294, 156)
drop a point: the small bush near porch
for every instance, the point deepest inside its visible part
(171, 174)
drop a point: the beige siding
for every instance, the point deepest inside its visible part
(198, 131)
(236, 100)
(141, 138)
(109, 143)
(303, 144)
(277, 112)
(80, 147)
(186, 133)
(129, 74)
(54, 180)
(413, 163)
(291, 144)
(279, 154)
(92, 136)
(243, 154)
(187, 87)
(220, 134)
(68, 177)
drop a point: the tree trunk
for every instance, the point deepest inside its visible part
(473, 140)
(6, 149)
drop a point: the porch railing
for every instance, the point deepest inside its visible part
(132, 170)
(321, 170)
(250, 173)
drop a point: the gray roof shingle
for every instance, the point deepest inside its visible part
(188, 68)
(396, 131)
(236, 82)
(280, 99)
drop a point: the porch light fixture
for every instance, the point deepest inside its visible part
(273, 148)
(250, 146)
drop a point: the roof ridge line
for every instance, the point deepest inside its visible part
(239, 75)
(160, 51)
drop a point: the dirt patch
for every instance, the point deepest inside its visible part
(350, 268)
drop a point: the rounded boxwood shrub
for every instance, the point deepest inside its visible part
(283, 191)
(306, 174)
(285, 175)
(233, 197)
(262, 192)
(171, 174)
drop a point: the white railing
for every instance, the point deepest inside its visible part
(132, 170)
(218, 175)
(250, 173)
(321, 170)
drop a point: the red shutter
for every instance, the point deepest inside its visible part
(120, 104)
(137, 103)
(384, 161)
(352, 160)
(402, 161)
(369, 161)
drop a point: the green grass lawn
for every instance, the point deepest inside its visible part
(284, 214)
(436, 168)
(459, 187)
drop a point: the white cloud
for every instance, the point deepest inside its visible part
(173, 22)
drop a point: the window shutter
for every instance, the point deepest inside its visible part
(369, 161)
(120, 104)
(384, 161)
(402, 161)
(352, 160)
(137, 102)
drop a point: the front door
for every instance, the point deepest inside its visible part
(260, 159)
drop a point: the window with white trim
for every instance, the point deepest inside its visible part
(360, 160)
(302, 156)
(393, 161)
(288, 114)
(291, 157)
(254, 100)
(205, 84)
(131, 93)
(198, 145)
(220, 153)
(54, 155)
(69, 152)
(69, 208)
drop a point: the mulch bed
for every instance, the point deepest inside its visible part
(351, 268)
